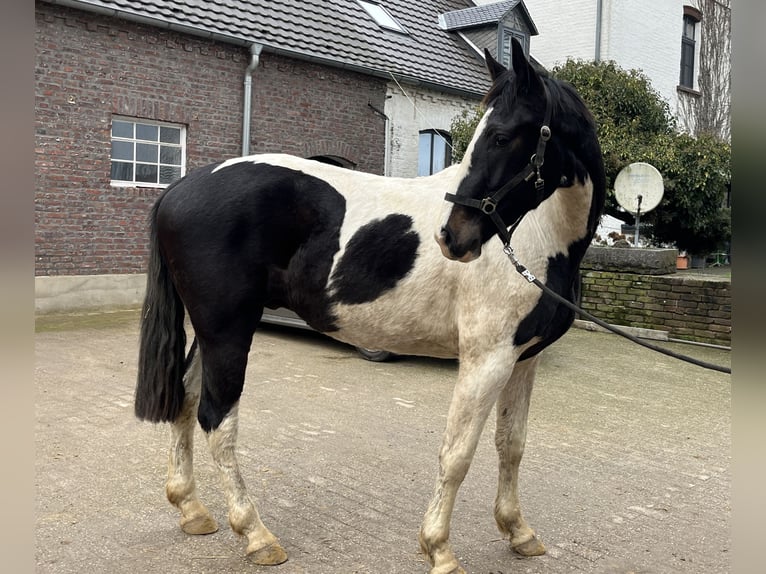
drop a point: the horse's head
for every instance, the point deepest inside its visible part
(505, 170)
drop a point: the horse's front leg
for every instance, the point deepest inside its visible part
(479, 382)
(510, 436)
(180, 488)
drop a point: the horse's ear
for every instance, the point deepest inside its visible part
(495, 68)
(526, 76)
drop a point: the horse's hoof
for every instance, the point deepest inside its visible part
(199, 525)
(531, 547)
(270, 555)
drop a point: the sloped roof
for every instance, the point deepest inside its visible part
(334, 32)
(483, 15)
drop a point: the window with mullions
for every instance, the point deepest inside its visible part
(688, 47)
(147, 153)
(434, 151)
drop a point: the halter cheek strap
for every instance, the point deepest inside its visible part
(489, 204)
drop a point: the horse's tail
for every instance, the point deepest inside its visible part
(161, 365)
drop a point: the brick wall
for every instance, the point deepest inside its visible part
(688, 308)
(90, 67)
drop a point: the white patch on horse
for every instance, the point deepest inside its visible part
(464, 167)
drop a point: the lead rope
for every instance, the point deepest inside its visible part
(529, 276)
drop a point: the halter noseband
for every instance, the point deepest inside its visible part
(489, 204)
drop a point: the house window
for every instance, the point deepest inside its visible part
(382, 16)
(434, 151)
(504, 49)
(147, 153)
(688, 50)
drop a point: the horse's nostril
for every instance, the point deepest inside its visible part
(446, 236)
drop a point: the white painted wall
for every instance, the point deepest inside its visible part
(410, 110)
(637, 34)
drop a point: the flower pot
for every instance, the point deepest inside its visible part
(682, 262)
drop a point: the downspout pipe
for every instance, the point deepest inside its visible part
(599, 11)
(255, 55)
(386, 139)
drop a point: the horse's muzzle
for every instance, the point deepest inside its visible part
(457, 250)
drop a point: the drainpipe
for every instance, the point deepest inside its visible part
(386, 139)
(599, 7)
(255, 53)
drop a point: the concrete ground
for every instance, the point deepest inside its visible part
(627, 467)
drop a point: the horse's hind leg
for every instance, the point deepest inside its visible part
(223, 378)
(510, 436)
(180, 487)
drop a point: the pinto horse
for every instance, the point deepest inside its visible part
(354, 255)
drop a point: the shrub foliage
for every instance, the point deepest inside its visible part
(635, 124)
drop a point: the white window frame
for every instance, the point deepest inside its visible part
(136, 140)
(382, 16)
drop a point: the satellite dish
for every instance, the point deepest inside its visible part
(638, 188)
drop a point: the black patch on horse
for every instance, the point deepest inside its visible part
(549, 320)
(377, 257)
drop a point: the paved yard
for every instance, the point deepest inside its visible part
(627, 467)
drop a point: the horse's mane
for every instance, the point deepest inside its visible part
(567, 104)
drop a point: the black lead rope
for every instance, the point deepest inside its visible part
(508, 250)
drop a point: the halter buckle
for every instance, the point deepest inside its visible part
(545, 133)
(488, 205)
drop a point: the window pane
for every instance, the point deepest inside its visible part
(424, 154)
(170, 155)
(122, 171)
(146, 173)
(689, 27)
(687, 64)
(147, 132)
(146, 152)
(122, 129)
(169, 173)
(440, 154)
(122, 150)
(170, 135)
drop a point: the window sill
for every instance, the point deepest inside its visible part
(689, 91)
(138, 185)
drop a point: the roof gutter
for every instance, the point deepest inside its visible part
(240, 41)
(255, 54)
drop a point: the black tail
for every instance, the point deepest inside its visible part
(161, 365)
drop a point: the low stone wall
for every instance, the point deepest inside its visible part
(631, 260)
(89, 293)
(689, 308)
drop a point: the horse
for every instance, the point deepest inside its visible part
(402, 264)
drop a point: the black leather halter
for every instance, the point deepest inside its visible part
(489, 204)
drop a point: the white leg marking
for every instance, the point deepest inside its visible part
(263, 547)
(479, 382)
(180, 487)
(510, 436)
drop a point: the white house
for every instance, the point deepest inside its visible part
(665, 39)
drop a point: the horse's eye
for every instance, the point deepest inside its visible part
(502, 141)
